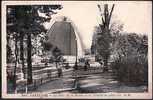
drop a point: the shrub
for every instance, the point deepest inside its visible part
(131, 63)
(131, 70)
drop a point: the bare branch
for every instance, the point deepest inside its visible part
(103, 20)
(99, 7)
(111, 13)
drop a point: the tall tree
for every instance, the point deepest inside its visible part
(104, 38)
(26, 20)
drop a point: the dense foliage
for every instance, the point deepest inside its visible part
(131, 58)
(24, 23)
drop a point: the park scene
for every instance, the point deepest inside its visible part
(80, 48)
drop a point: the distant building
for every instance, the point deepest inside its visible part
(64, 35)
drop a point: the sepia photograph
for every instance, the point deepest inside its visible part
(77, 49)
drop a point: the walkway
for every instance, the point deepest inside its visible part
(94, 83)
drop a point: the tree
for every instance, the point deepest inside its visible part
(25, 20)
(12, 31)
(94, 39)
(104, 38)
(55, 51)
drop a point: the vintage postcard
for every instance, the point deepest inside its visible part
(77, 49)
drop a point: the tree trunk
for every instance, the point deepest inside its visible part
(107, 53)
(105, 65)
(29, 60)
(16, 61)
(22, 53)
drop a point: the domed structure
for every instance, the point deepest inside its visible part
(64, 35)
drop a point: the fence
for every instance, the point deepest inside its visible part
(39, 77)
(90, 70)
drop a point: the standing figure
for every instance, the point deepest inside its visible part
(59, 72)
(86, 65)
(75, 66)
(46, 64)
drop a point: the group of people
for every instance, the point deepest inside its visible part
(86, 65)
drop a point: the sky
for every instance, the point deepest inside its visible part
(135, 15)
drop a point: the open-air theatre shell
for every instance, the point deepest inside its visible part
(63, 34)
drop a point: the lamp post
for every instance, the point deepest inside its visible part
(76, 65)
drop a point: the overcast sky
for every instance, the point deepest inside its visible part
(136, 16)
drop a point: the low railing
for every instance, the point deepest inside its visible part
(39, 77)
(90, 70)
